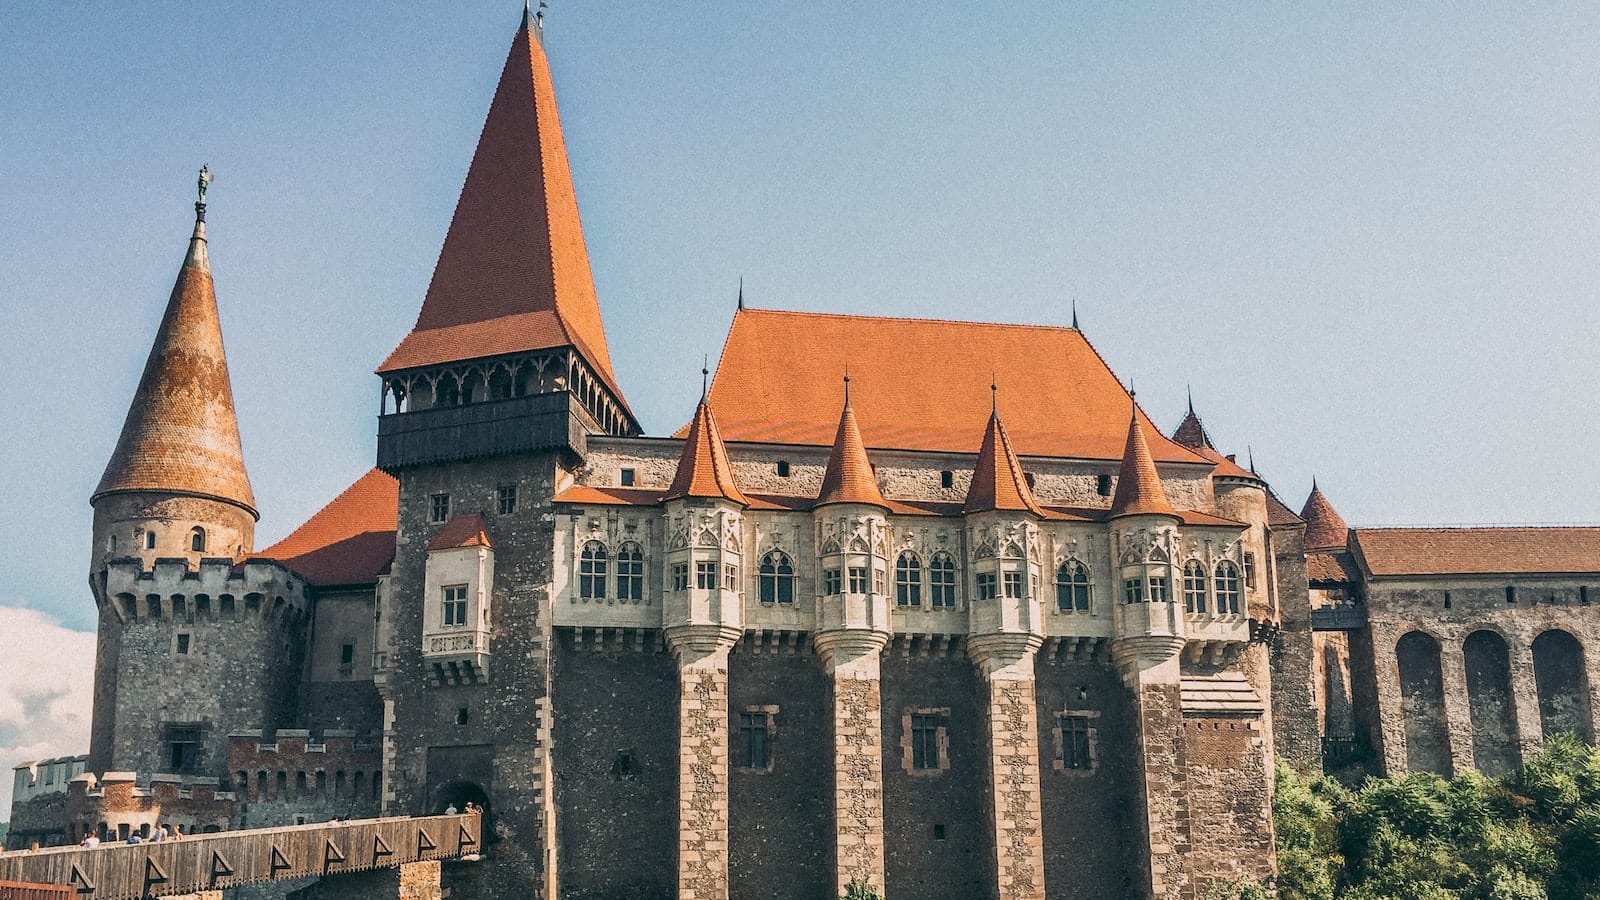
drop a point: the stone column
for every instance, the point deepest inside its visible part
(1525, 696)
(702, 654)
(1006, 663)
(1457, 705)
(1391, 712)
(851, 659)
(1150, 668)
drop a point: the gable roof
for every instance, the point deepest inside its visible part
(181, 434)
(513, 274)
(849, 477)
(998, 481)
(1478, 551)
(349, 541)
(703, 467)
(921, 384)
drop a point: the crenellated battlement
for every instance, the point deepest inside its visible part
(216, 589)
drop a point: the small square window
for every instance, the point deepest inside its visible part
(947, 480)
(149, 540)
(705, 575)
(832, 582)
(1013, 584)
(1076, 750)
(730, 578)
(438, 508)
(783, 468)
(1158, 589)
(986, 586)
(462, 716)
(455, 605)
(625, 477)
(925, 741)
(680, 577)
(1133, 590)
(752, 748)
(506, 499)
(1102, 485)
(858, 579)
(938, 832)
(347, 654)
(183, 644)
(1250, 570)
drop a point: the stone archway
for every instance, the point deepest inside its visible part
(1563, 683)
(1422, 704)
(1495, 747)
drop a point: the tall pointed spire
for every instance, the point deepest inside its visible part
(849, 477)
(1325, 528)
(1075, 314)
(1139, 490)
(1191, 432)
(703, 468)
(513, 274)
(998, 481)
(181, 435)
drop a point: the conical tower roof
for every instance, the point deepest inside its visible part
(1325, 528)
(1139, 490)
(998, 481)
(181, 435)
(849, 477)
(703, 469)
(513, 274)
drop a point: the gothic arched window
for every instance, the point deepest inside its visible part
(908, 580)
(1194, 587)
(1072, 587)
(942, 581)
(592, 571)
(197, 540)
(776, 578)
(1227, 587)
(630, 572)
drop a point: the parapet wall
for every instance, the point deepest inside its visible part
(216, 590)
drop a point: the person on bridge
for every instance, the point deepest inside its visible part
(92, 839)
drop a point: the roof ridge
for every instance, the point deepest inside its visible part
(937, 321)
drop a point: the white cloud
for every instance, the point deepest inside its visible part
(46, 691)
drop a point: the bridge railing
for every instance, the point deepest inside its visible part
(232, 858)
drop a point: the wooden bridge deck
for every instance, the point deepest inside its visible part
(212, 862)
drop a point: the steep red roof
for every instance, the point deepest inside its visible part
(461, 531)
(998, 481)
(703, 468)
(1324, 526)
(849, 477)
(349, 541)
(513, 274)
(922, 385)
(1478, 551)
(181, 435)
(1139, 490)
(1190, 432)
(1331, 565)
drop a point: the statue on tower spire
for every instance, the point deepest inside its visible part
(200, 204)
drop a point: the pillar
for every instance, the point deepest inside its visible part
(851, 658)
(702, 655)
(1457, 706)
(1525, 696)
(1006, 662)
(1150, 668)
(1391, 712)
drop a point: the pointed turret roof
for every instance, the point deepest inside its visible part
(513, 274)
(1191, 433)
(181, 435)
(849, 477)
(703, 469)
(1325, 528)
(998, 481)
(1139, 490)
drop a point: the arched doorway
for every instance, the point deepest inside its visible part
(458, 794)
(1422, 704)
(1494, 721)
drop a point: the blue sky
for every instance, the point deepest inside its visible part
(1366, 235)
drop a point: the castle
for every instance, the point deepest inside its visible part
(928, 605)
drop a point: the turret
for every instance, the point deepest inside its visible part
(852, 539)
(1144, 547)
(1325, 528)
(1002, 516)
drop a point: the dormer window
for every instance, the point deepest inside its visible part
(197, 540)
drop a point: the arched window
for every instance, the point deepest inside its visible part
(592, 571)
(1227, 587)
(1072, 587)
(908, 580)
(630, 572)
(942, 581)
(197, 540)
(1194, 587)
(776, 577)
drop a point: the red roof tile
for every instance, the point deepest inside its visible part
(1190, 432)
(703, 468)
(513, 274)
(1139, 490)
(1324, 526)
(461, 531)
(1478, 551)
(349, 541)
(998, 481)
(1335, 565)
(849, 477)
(921, 385)
(181, 434)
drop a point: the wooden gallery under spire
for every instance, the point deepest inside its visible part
(964, 625)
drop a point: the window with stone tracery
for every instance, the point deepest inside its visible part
(776, 578)
(1133, 590)
(592, 567)
(1194, 587)
(1227, 585)
(630, 572)
(832, 582)
(858, 579)
(1012, 582)
(1072, 587)
(705, 575)
(942, 581)
(1159, 592)
(908, 580)
(986, 586)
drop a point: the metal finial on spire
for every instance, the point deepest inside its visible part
(705, 375)
(994, 395)
(846, 384)
(200, 204)
(1250, 454)
(741, 292)
(1189, 389)
(1074, 313)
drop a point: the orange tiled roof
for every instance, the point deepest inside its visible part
(703, 468)
(849, 477)
(1139, 490)
(465, 530)
(998, 481)
(1324, 526)
(181, 435)
(922, 385)
(1478, 551)
(1331, 565)
(349, 541)
(513, 274)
